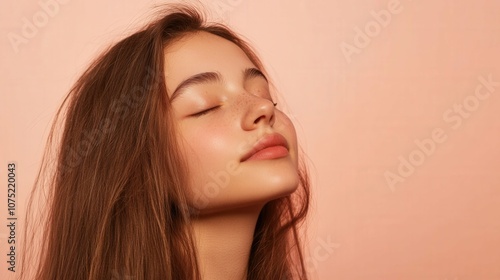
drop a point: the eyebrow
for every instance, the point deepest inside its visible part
(212, 77)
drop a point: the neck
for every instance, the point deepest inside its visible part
(223, 242)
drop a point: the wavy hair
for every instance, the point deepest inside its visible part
(114, 200)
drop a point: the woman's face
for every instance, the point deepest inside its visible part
(209, 75)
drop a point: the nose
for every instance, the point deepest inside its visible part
(258, 112)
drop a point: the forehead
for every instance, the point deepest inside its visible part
(202, 52)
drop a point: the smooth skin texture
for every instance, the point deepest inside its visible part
(238, 111)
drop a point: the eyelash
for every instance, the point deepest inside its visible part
(204, 112)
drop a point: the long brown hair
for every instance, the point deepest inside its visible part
(115, 202)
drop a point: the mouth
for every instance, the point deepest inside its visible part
(271, 146)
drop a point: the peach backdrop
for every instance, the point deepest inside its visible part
(395, 102)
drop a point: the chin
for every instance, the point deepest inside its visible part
(283, 186)
(255, 184)
(274, 179)
(257, 192)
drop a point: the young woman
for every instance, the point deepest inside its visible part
(174, 163)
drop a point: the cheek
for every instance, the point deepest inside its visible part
(208, 148)
(208, 151)
(209, 141)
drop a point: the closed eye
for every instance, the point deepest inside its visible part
(205, 111)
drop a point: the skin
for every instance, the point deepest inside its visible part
(228, 193)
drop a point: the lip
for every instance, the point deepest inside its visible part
(268, 141)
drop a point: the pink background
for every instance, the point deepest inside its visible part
(358, 117)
